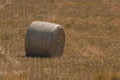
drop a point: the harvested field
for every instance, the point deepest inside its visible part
(92, 29)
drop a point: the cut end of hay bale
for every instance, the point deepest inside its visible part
(44, 39)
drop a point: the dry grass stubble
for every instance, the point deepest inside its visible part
(92, 39)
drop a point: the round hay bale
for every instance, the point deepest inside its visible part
(44, 39)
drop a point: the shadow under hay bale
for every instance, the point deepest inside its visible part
(44, 39)
(42, 55)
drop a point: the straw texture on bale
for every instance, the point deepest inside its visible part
(44, 39)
